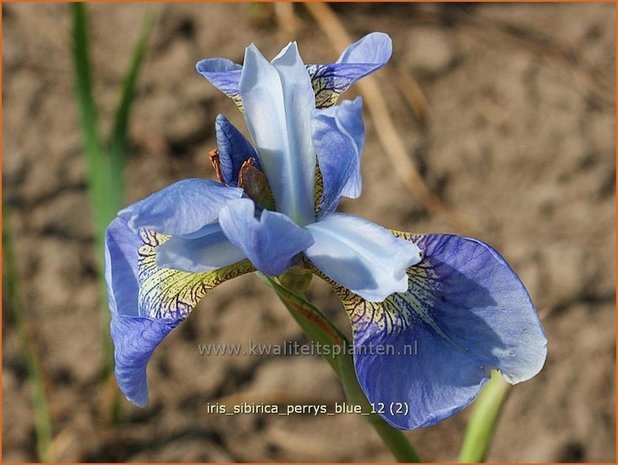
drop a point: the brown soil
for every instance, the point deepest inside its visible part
(519, 140)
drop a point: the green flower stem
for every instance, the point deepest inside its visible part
(105, 160)
(296, 279)
(103, 186)
(322, 331)
(394, 439)
(484, 419)
(118, 139)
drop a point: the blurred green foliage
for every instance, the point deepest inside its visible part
(106, 159)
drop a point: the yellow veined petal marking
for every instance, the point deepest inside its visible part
(398, 311)
(168, 293)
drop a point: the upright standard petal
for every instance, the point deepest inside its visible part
(209, 251)
(465, 313)
(338, 138)
(181, 208)
(223, 74)
(234, 150)
(361, 256)
(360, 59)
(270, 241)
(363, 57)
(147, 301)
(375, 49)
(278, 103)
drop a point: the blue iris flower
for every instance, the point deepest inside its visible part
(453, 299)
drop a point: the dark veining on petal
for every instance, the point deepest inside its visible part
(400, 310)
(168, 293)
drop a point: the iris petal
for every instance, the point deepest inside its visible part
(270, 241)
(135, 339)
(169, 293)
(234, 150)
(373, 49)
(278, 104)
(338, 138)
(181, 208)
(363, 57)
(209, 252)
(147, 301)
(360, 59)
(121, 272)
(465, 312)
(223, 74)
(361, 256)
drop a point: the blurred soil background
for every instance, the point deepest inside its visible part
(514, 131)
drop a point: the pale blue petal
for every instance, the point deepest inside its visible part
(234, 150)
(211, 251)
(361, 256)
(221, 73)
(270, 241)
(278, 103)
(338, 137)
(181, 208)
(360, 59)
(465, 313)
